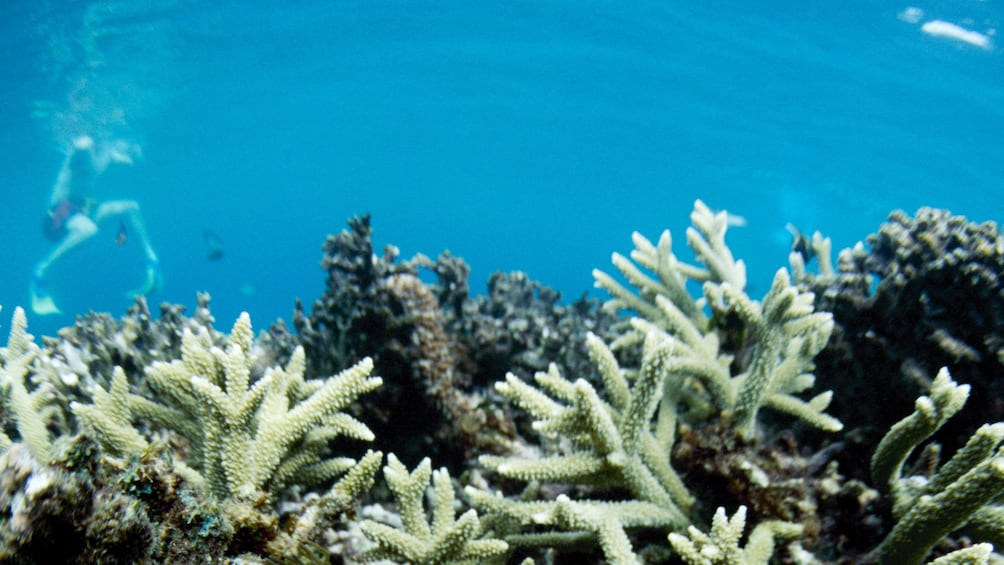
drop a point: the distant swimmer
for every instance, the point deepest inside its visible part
(74, 215)
(801, 243)
(214, 245)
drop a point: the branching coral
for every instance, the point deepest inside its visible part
(243, 435)
(27, 408)
(962, 492)
(624, 440)
(787, 334)
(783, 334)
(610, 443)
(446, 539)
(721, 545)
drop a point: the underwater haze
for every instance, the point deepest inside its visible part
(532, 136)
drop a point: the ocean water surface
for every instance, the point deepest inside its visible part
(531, 136)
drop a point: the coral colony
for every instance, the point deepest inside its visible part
(682, 421)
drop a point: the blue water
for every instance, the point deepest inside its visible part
(530, 136)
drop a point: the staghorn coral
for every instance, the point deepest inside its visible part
(443, 540)
(242, 436)
(748, 355)
(961, 493)
(623, 441)
(720, 546)
(24, 409)
(610, 444)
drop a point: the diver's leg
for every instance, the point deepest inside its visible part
(129, 210)
(79, 228)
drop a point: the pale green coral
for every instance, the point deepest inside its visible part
(607, 443)
(319, 513)
(785, 332)
(978, 554)
(26, 407)
(623, 439)
(243, 435)
(944, 399)
(707, 239)
(962, 491)
(787, 336)
(720, 546)
(445, 539)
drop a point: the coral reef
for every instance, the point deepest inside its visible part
(233, 440)
(620, 434)
(622, 443)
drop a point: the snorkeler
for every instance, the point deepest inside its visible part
(74, 216)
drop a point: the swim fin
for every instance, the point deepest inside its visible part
(41, 301)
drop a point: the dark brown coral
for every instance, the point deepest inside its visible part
(438, 349)
(925, 293)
